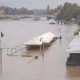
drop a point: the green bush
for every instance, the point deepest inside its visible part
(76, 32)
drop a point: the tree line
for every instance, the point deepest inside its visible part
(67, 11)
(14, 11)
(62, 12)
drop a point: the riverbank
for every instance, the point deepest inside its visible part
(15, 17)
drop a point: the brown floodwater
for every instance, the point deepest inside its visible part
(22, 65)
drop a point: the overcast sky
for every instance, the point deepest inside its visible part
(35, 4)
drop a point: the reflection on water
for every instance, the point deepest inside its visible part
(73, 72)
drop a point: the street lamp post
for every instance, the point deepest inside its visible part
(42, 47)
(1, 36)
(0, 58)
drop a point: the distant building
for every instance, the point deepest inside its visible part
(2, 11)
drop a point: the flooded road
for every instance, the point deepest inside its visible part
(51, 67)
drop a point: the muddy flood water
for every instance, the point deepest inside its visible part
(19, 66)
